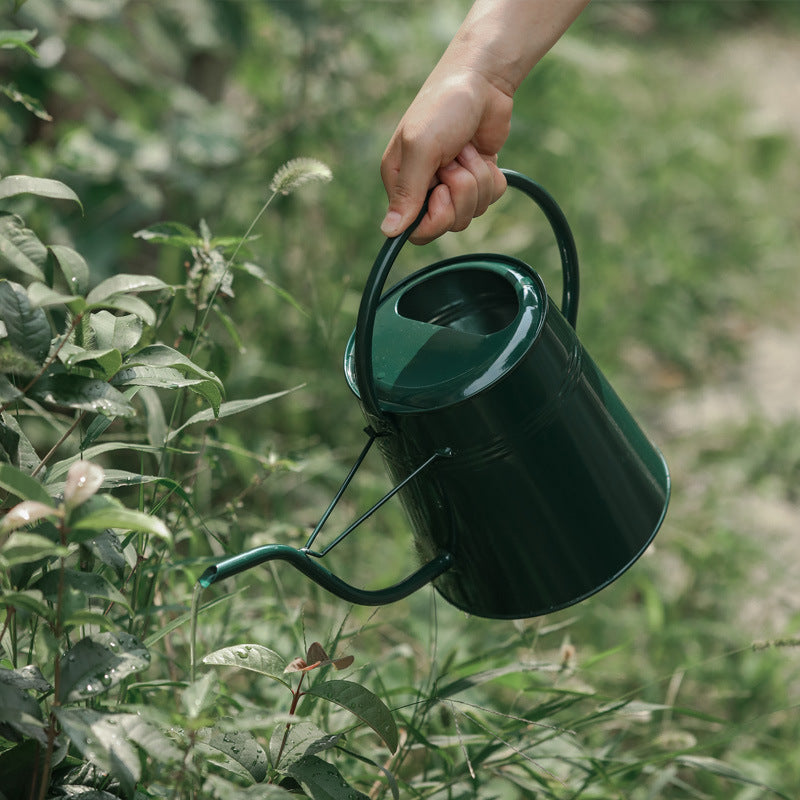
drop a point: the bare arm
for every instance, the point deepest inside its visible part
(453, 130)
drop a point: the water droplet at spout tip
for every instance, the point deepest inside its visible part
(208, 577)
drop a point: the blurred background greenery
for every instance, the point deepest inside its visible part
(670, 134)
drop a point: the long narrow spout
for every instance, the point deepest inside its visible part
(327, 580)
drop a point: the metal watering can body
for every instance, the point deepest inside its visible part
(527, 483)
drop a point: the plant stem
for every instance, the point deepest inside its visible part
(296, 695)
(58, 444)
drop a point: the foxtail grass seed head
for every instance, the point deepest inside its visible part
(297, 172)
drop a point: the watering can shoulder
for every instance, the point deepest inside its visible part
(452, 330)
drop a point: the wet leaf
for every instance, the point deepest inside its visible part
(31, 599)
(73, 267)
(107, 740)
(99, 662)
(85, 394)
(365, 705)
(26, 513)
(29, 678)
(43, 296)
(200, 696)
(323, 780)
(242, 747)
(303, 739)
(254, 657)
(104, 363)
(112, 331)
(83, 480)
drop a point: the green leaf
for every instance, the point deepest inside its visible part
(303, 738)
(128, 303)
(365, 705)
(323, 780)
(254, 657)
(108, 360)
(12, 185)
(24, 548)
(23, 457)
(102, 739)
(21, 248)
(99, 662)
(29, 678)
(8, 392)
(27, 327)
(19, 38)
(19, 710)
(158, 377)
(108, 512)
(230, 408)
(79, 392)
(73, 267)
(242, 747)
(200, 696)
(42, 296)
(175, 234)
(122, 333)
(23, 486)
(124, 284)
(89, 584)
(28, 512)
(30, 600)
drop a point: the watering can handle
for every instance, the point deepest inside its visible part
(385, 259)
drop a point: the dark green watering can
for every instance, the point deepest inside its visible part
(527, 483)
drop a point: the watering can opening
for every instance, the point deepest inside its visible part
(471, 300)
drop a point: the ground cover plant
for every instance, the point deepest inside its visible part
(171, 391)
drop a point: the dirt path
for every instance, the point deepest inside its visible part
(764, 65)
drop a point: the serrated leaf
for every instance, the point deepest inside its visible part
(254, 657)
(22, 485)
(26, 326)
(361, 702)
(101, 739)
(323, 780)
(21, 248)
(12, 185)
(242, 747)
(99, 662)
(85, 394)
(73, 267)
(230, 408)
(110, 513)
(124, 284)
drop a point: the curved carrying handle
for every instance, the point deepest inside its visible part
(386, 257)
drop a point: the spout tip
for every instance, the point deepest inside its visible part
(208, 577)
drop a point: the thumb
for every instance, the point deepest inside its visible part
(406, 188)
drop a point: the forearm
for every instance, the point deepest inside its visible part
(504, 39)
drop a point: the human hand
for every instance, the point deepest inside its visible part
(448, 139)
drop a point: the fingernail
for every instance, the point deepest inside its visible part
(391, 224)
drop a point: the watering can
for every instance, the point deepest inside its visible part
(526, 481)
